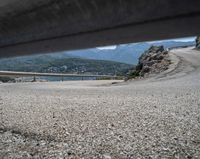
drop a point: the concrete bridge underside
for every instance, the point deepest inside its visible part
(42, 26)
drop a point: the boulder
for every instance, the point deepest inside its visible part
(154, 60)
(145, 69)
(156, 49)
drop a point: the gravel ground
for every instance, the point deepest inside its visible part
(156, 118)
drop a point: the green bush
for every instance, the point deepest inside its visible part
(133, 74)
(7, 79)
(104, 78)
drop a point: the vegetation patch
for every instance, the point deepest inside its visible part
(6, 79)
(68, 65)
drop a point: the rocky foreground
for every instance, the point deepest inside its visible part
(156, 118)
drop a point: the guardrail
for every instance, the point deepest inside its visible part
(178, 47)
(35, 74)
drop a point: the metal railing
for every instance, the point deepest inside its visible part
(61, 75)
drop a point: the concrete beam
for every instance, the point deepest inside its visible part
(37, 26)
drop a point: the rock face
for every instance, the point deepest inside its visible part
(198, 42)
(154, 60)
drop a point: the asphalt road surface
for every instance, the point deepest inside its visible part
(154, 118)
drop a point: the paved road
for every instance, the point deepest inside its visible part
(156, 118)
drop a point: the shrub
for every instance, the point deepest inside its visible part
(7, 79)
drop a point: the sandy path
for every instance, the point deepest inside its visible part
(154, 118)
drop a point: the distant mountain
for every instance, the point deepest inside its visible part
(123, 57)
(128, 53)
(50, 64)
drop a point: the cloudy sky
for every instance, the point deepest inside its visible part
(180, 39)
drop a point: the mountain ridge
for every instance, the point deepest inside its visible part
(127, 53)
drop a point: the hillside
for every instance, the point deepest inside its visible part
(127, 53)
(93, 61)
(152, 61)
(49, 64)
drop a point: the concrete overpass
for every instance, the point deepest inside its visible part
(42, 26)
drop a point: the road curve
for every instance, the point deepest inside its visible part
(156, 118)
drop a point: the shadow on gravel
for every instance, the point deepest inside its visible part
(32, 136)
